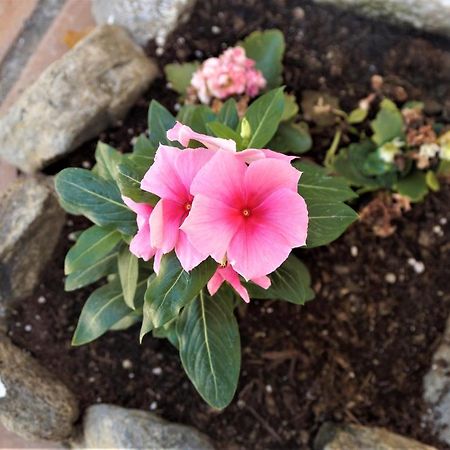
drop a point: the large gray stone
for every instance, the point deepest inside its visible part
(33, 404)
(108, 426)
(144, 19)
(30, 224)
(91, 87)
(436, 388)
(428, 15)
(357, 437)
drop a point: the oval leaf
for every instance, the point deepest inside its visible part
(128, 266)
(210, 350)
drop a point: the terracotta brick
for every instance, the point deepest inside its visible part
(13, 15)
(76, 16)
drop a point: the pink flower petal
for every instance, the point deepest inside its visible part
(165, 223)
(263, 282)
(157, 261)
(141, 209)
(230, 275)
(140, 244)
(221, 178)
(277, 155)
(162, 179)
(187, 254)
(211, 225)
(183, 134)
(259, 185)
(215, 282)
(265, 239)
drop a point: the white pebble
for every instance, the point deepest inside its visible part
(418, 266)
(86, 164)
(390, 278)
(157, 371)
(127, 364)
(354, 251)
(159, 51)
(41, 300)
(2, 390)
(72, 237)
(437, 229)
(269, 389)
(160, 41)
(269, 310)
(198, 54)
(131, 375)
(215, 29)
(443, 220)
(28, 328)
(153, 406)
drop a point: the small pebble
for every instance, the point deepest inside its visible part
(160, 41)
(86, 164)
(390, 278)
(241, 404)
(269, 310)
(198, 54)
(127, 364)
(215, 29)
(299, 13)
(159, 51)
(153, 406)
(91, 379)
(131, 375)
(28, 328)
(72, 237)
(418, 266)
(443, 220)
(354, 251)
(177, 107)
(269, 389)
(157, 371)
(437, 229)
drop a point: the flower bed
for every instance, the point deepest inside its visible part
(357, 353)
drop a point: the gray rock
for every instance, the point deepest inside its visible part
(108, 426)
(436, 388)
(428, 15)
(30, 224)
(33, 404)
(91, 87)
(357, 437)
(144, 19)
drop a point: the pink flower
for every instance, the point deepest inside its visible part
(227, 273)
(232, 73)
(184, 134)
(251, 216)
(170, 178)
(140, 244)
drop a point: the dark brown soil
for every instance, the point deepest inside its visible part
(358, 352)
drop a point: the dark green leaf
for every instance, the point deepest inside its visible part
(228, 114)
(84, 193)
(93, 272)
(413, 186)
(267, 49)
(172, 289)
(290, 282)
(104, 309)
(107, 159)
(264, 116)
(180, 75)
(159, 122)
(220, 130)
(291, 138)
(196, 117)
(128, 267)
(144, 147)
(168, 331)
(210, 350)
(290, 107)
(92, 245)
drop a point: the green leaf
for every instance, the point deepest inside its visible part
(196, 117)
(129, 179)
(144, 147)
(168, 331)
(328, 216)
(180, 75)
(84, 193)
(290, 107)
(103, 266)
(228, 114)
(107, 159)
(291, 138)
(210, 349)
(358, 115)
(291, 282)
(172, 289)
(92, 245)
(220, 130)
(432, 181)
(267, 49)
(159, 122)
(375, 166)
(128, 267)
(104, 309)
(388, 123)
(264, 116)
(413, 186)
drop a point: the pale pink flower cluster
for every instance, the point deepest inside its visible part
(240, 208)
(232, 73)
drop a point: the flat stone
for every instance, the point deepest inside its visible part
(144, 19)
(357, 437)
(428, 15)
(88, 89)
(33, 403)
(108, 426)
(30, 224)
(436, 388)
